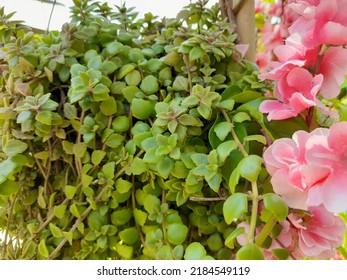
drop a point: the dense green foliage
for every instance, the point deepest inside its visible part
(129, 138)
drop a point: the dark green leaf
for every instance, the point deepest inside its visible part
(281, 254)
(8, 188)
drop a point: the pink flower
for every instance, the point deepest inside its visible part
(263, 60)
(334, 68)
(332, 192)
(321, 22)
(317, 233)
(295, 92)
(292, 176)
(314, 234)
(311, 168)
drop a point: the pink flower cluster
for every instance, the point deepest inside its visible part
(311, 168)
(274, 31)
(310, 172)
(312, 61)
(314, 234)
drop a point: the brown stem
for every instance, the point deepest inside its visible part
(163, 224)
(78, 140)
(43, 173)
(49, 219)
(236, 138)
(195, 198)
(46, 185)
(186, 62)
(8, 224)
(227, 10)
(77, 223)
(110, 118)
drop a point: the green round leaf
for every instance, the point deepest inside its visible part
(196, 53)
(42, 248)
(8, 188)
(121, 217)
(281, 254)
(176, 233)
(214, 242)
(222, 130)
(114, 48)
(95, 220)
(140, 217)
(123, 186)
(125, 69)
(14, 147)
(276, 205)
(234, 207)
(195, 251)
(149, 85)
(180, 84)
(121, 124)
(109, 107)
(250, 167)
(250, 252)
(129, 235)
(141, 109)
(89, 55)
(133, 78)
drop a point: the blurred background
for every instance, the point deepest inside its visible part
(36, 13)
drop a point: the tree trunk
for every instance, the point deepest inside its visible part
(242, 13)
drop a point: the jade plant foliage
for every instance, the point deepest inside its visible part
(127, 138)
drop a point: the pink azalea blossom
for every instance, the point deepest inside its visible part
(334, 68)
(295, 92)
(292, 177)
(332, 192)
(263, 61)
(311, 168)
(316, 234)
(321, 22)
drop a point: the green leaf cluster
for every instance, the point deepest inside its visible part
(127, 138)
